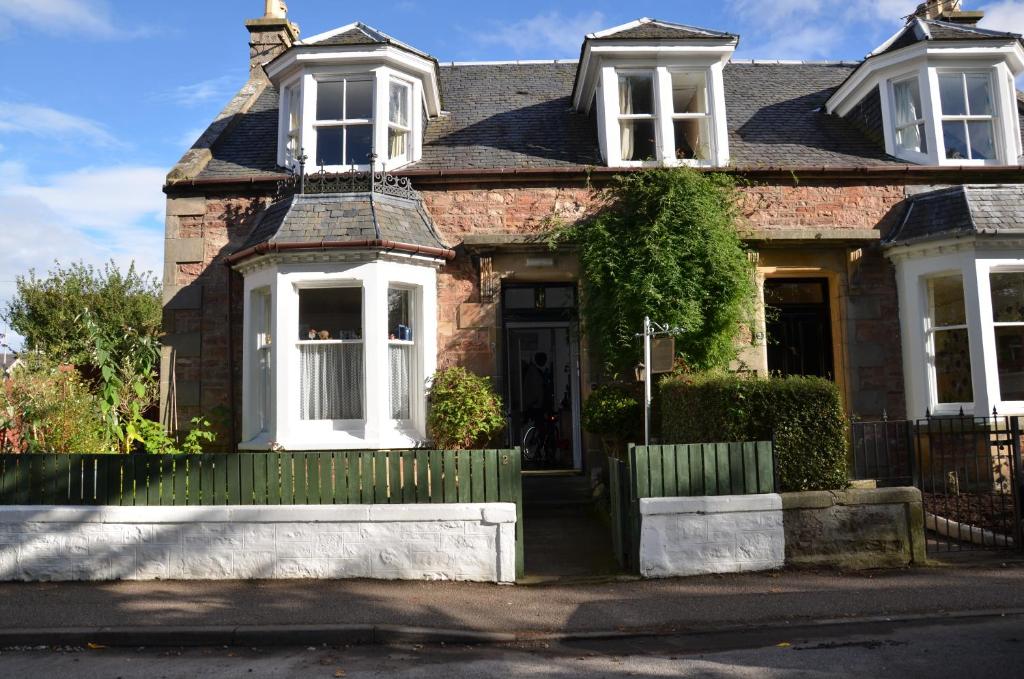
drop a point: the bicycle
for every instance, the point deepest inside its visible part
(540, 442)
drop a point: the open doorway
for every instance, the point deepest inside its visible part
(798, 321)
(542, 375)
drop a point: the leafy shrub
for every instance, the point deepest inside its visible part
(804, 414)
(154, 438)
(464, 411)
(665, 246)
(48, 408)
(614, 412)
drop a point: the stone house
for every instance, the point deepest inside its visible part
(883, 208)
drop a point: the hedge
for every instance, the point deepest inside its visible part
(804, 414)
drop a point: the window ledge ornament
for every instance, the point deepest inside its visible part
(352, 181)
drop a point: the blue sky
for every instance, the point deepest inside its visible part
(99, 98)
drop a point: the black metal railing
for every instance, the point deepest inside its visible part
(354, 181)
(883, 451)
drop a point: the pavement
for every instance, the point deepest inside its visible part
(279, 613)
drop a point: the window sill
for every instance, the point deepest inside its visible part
(398, 438)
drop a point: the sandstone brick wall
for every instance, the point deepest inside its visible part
(202, 229)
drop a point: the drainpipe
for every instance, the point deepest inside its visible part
(231, 360)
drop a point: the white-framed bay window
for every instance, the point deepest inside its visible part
(354, 344)
(662, 115)
(962, 327)
(968, 110)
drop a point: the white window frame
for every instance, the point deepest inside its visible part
(993, 369)
(922, 119)
(262, 305)
(406, 129)
(290, 144)
(610, 118)
(653, 116)
(993, 120)
(931, 355)
(285, 277)
(416, 388)
(346, 123)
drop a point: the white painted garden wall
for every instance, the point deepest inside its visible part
(408, 542)
(723, 534)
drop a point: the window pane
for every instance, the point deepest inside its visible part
(979, 94)
(953, 367)
(399, 314)
(560, 297)
(398, 143)
(331, 381)
(982, 146)
(912, 138)
(520, 298)
(331, 313)
(951, 93)
(1007, 297)
(360, 142)
(636, 93)
(956, 139)
(638, 140)
(908, 101)
(1010, 362)
(359, 99)
(689, 93)
(692, 138)
(328, 100)
(947, 295)
(398, 104)
(328, 146)
(400, 365)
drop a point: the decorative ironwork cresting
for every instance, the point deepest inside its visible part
(375, 181)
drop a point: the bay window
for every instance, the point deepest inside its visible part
(909, 116)
(949, 341)
(968, 113)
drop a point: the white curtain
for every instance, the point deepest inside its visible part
(331, 384)
(626, 107)
(906, 113)
(400, 358)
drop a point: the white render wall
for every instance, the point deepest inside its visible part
(408, 542)
(722, 534)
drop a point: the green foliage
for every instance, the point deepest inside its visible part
(48, 311)
(126, 384)
(464, 411)
(155, 440)
(614, 412)
(804, 414)
(48, 408)
(666, 247)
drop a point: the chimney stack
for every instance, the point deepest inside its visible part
(947, 10)
(270, 35)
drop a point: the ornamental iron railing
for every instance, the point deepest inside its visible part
(353, 181)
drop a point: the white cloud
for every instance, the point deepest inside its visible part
(1007, 15)
(93, 215)
(83, 17)
(206, 91)
(544, 33)
(47, 122)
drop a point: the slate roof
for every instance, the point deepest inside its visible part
(519, 115)
(341, 217)
(920, 30)
(962, 211)
(655, 29)
(358, 33)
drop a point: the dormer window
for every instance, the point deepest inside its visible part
(344, 121)
(636, 116)
(968, 113)
(909, 116)
(691, 117)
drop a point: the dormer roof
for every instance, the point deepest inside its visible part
(358, 33)
(962, 211)
(655, 29)
(922, 30)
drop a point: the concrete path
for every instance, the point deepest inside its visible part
(347, 611)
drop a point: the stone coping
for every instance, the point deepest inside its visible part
(819, 499)
(722, 504)
(487, 513)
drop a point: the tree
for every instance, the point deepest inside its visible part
(665, 246)
(49, 312)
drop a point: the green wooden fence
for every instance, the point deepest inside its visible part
(684, 470)
(276, 478)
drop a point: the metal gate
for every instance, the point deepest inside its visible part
(967, 468)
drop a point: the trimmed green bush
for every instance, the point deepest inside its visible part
(804, 414)
(615, 413)
(464, 410)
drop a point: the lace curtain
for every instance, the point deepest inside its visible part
(626, 107)
(400, 360)
(908, 135)
(331, 382)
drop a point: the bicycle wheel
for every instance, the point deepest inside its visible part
(531, 444)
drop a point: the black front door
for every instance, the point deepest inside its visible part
(799, 327)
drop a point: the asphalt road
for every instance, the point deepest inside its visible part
(980, 647)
